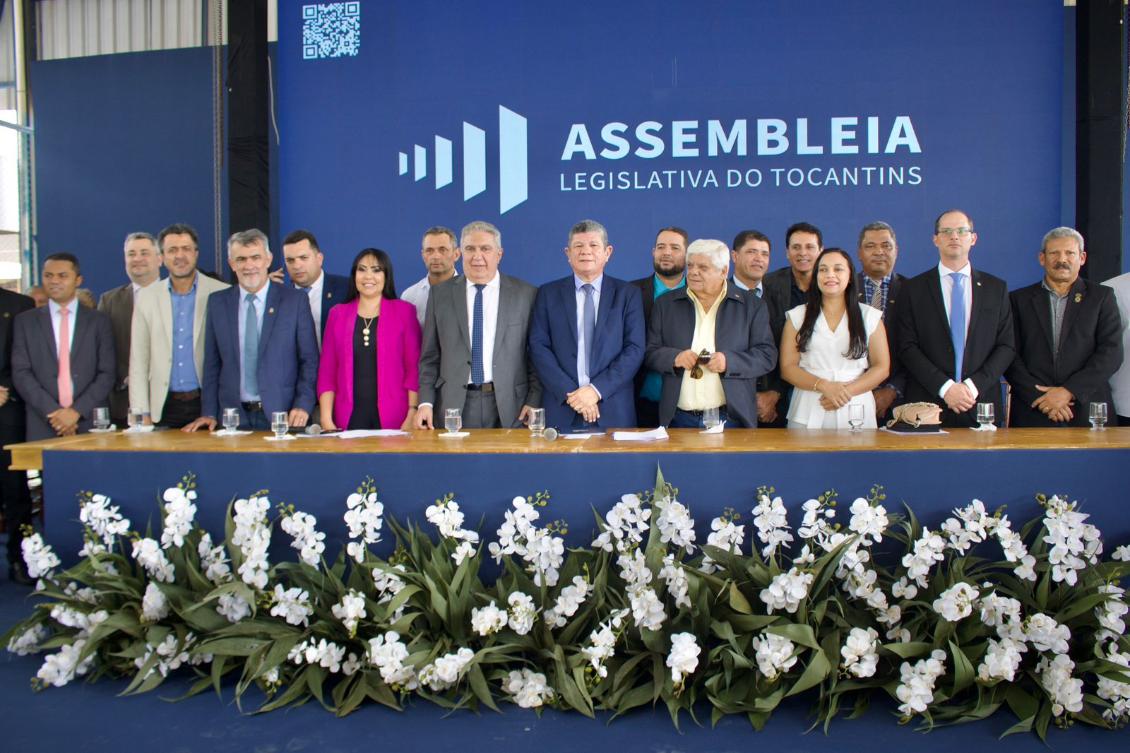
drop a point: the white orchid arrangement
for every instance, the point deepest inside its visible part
(952, 623)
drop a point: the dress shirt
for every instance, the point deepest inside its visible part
(757, 289)
(260, 310)
(72, 317)
(1058, 307)
(418, 295)
(706, 391)
(183, 377)
(583, 377)
(947, 295)
(490, 322)
(315, 293)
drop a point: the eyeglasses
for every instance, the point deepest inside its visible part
(960, 232)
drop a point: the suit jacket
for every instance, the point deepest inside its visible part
(288, 352)
(151, 352)
(334, 290)
(398, 354)
(926, 349)
(741, 332)
(646, 287)
(1090, 350)
(35, 366)
(446, 356)
(118, 305)
(618, 348)
(11, 306)
(897, 377)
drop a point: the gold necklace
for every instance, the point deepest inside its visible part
(365, 330)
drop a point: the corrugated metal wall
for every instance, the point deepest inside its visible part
(75, 28)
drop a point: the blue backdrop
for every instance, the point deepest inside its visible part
(716, 116)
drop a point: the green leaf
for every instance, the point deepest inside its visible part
(479, 686)
(818, 668)
(738, 602)
(802, 634)
(962, 669)
(908, 650)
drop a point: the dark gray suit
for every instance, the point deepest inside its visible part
(741, 332)
(445, 356)
(118, 305)
(35, 366)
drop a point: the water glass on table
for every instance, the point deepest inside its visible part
(1098, 416)
(279, 424)
(136, 420)
(710, 418)
(537, 422)
(453, 420)
(230, 419)
(101, 419)
(855, 417)
(986, 415)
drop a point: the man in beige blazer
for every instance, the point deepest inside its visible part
(166, 360)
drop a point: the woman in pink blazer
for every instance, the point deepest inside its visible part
(368, 376)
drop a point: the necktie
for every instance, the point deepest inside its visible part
(589, 320)
(477, 376)
(757, 292)
(66, 387)
(957, 322)
(877, 296)
(251, 349)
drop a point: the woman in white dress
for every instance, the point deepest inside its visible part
(833, 349)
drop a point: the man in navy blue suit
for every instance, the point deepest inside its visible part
(587, 339)
(260, 350)
(304, 259)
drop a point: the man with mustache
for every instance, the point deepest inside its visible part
(1068, 339)
(880, 287)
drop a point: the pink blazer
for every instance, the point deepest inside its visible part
(398, 358)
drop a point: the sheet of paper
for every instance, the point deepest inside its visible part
(362, 433)
(640, 436)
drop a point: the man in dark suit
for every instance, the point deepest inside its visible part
(880, 288)
(669, 259)
(304, 260)
(15, 500)
(729, 323)
(474, 353)
(587, 339)
(785, 289)
(260, 348)
(750, 254)
(143, 266)
(62, 356)
(1068, 339)
(955, 335)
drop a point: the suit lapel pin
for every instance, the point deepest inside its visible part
(329, 296)
(270, 311)
(1078, 299)
(7, 315)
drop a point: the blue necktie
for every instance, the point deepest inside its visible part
(590, 326)
(757, 292)
(251, 349)
(477, 376)
(957, 322)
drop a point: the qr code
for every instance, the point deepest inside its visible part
(332, 30)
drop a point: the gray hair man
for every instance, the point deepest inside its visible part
(710, 342)
(880, 287)
(474, 354)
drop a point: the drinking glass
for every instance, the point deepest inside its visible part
(710, 418)
(136, 420)
(453, 419)
(101, 419)
(231, 419)
(279, 424)
(986, 414)
(855, 416)
(537, 422)
(1098, 416)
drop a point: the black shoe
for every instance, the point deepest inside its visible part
(18, 574)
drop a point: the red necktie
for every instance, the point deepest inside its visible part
(66, 388)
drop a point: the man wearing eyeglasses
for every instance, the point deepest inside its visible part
(880, 288)
(955, 336)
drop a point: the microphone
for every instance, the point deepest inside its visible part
(550, 434)
(314, 429)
